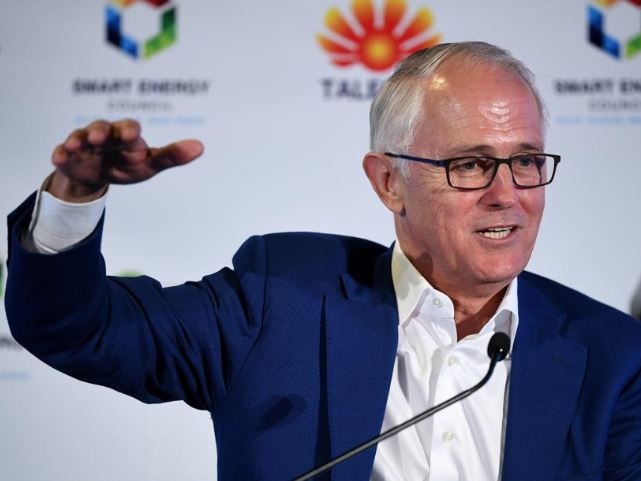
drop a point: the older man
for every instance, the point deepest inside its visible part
(314, 343)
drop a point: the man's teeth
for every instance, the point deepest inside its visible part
(496, 233)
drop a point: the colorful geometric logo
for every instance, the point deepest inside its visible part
(376, 39)
(615, 27)
(150, 46)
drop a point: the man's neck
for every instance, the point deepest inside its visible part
(472, 314)
(473, 306)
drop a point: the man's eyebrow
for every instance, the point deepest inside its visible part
(528, 146)
(484, 149)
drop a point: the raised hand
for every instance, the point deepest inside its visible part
(106, 153)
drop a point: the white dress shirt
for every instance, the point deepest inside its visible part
(464, 442)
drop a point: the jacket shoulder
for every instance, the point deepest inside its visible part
(309, 255)
(584, 315)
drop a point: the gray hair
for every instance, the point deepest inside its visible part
(396, 107)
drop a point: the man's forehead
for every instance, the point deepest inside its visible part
(457, 85)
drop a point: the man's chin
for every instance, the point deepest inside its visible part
(500, 276)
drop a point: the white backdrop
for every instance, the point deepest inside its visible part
(282, 153)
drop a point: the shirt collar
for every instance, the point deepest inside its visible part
(409, 285)
(411, 288)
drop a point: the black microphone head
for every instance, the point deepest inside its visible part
(499, 346)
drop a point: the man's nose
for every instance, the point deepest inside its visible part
(502, 191)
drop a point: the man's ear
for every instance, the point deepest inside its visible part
(386, 180)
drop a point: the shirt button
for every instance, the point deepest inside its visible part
(447, 436)
(437, 302)
(452, 361)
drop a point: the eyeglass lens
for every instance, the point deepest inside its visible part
(475, 172)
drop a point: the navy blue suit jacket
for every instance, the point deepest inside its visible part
(292, 352)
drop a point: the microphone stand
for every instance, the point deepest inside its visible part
(496, 355)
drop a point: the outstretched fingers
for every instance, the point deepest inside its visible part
(144, 165)
(94, 138)
(105, 152)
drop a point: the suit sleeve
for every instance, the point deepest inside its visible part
(623, 454)
(156, 344)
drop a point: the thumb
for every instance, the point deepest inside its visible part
(175, 154)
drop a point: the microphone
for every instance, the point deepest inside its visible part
(497, 349)
(499, 346)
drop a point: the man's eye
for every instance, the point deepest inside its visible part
(530, 161)
(464, 165)
(473, 164)
(469, 165)
(525, 161)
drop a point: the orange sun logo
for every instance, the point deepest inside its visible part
(377, 43)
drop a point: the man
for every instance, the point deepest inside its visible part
(315, 343)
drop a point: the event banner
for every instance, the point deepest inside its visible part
(279, 91)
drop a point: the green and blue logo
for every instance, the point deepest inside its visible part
(614, 26)
(144, 48)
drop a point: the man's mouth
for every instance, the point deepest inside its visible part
(496, 232)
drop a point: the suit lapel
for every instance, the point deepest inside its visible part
(545, 381)
(361, 342)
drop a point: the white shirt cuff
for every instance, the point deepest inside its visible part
(57, 225)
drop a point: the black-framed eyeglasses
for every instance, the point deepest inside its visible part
(478, 172)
